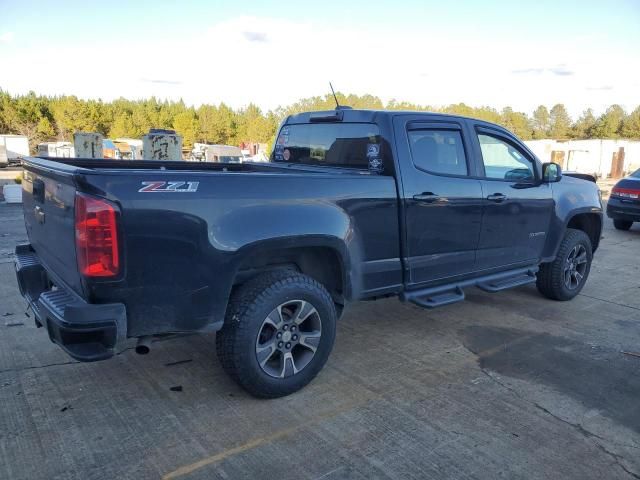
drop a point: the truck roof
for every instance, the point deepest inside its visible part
(370, 116)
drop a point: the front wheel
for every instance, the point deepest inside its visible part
(278, 333)
(563, 278)
(622, 224)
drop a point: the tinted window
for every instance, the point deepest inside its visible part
(355, 145)
(438, 151)
(503, 161)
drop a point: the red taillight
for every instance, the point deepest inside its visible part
(96, 237)
(626, 192)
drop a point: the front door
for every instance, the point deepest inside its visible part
(442, 204)
(517, 205)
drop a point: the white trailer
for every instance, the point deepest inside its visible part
(13, 148)
(56, 149)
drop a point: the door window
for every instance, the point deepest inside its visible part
(438, 151)
(503, 161)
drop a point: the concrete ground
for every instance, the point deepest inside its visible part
(508, 385)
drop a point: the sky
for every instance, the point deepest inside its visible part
(495, 53)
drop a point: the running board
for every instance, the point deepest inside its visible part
(435, 299)
(451, 293)
(511, 282)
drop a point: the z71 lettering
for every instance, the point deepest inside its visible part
(170, 187)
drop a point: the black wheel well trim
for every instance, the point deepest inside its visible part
(593, 234)
(291, 246)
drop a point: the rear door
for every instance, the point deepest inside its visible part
(442, 199)
(48, 202)
(517, 205)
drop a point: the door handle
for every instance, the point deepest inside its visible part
(39, 214)
(497, 197)
(426, 197)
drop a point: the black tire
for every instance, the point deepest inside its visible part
(249, 307)
(551, 279)
(622, 224)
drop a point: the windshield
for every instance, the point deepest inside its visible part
(636, 174)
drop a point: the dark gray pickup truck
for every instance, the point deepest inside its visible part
(354, 205)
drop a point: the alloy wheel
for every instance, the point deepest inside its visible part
(575, 267)
(288, 338)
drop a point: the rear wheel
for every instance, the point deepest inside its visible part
(563, 278)
(278, 333)
(622, 224)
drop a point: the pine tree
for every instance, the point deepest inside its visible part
(609, 125)
(559, 122)
(631, 125)
(540, 122)
(583, 127)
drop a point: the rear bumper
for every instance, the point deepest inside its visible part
(623, 210)
(87, 332)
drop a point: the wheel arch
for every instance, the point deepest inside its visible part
(590, 223)
(323, 258)
(586, 219)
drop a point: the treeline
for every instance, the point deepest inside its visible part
(43, 118)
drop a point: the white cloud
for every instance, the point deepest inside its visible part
(275, 62)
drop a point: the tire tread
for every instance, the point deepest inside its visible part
(622, 224)
(245, 302)
(550, 280)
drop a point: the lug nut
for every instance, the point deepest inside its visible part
(295, 337)
(279, 344)
(279, 335)
(286, 327)
(288, 345)
(293, 328)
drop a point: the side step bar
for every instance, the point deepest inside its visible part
(451, 293)
(510, 282)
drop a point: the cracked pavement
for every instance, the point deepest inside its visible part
(506, 385)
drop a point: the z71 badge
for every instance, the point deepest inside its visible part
(169, 187)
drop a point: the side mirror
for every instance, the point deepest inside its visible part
(551, 172)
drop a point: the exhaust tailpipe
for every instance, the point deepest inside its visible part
(144, 345)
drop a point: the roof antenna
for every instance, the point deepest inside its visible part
(334, 97)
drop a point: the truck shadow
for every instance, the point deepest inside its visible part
(600, 378)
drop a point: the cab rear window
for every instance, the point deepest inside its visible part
(349, 145)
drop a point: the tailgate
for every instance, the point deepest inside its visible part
(48, 202)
